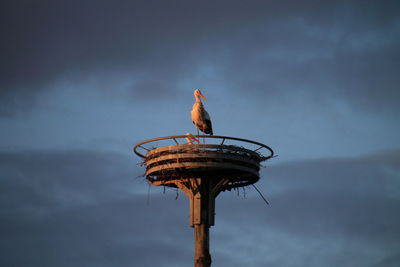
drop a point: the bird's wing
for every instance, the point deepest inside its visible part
(209, 126)
(206, 115)
(207, 121)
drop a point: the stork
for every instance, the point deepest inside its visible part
(200, 116)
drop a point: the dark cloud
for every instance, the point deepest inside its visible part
(344, 53)
(87, 208)
(347, 48)
(80, 207)
(345, 196)
(320, 201)
(49, 181)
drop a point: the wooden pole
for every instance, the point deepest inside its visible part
(203, 204)
(202, 257)
(201, 193)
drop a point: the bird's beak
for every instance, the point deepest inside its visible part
(194, 138)
(202, 96)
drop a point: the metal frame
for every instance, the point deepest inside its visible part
(224, 138)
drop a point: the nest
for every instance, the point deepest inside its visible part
(167, 165)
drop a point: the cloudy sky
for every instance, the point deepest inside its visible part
(81, 82)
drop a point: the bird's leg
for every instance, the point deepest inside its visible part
(197, 132)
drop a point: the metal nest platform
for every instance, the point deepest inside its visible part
(170, 160)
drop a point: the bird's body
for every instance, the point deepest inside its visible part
(200, 116)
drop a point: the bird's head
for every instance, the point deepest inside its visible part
(197, 93)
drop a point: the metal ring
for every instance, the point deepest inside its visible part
(224, 138)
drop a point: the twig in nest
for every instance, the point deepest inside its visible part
(266, 201)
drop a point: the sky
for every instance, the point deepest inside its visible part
(81, 82)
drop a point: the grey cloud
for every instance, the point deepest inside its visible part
(41, 182)
(354, 200)
(349, 57)
(160, 44)
(349, 196)
(82, 208)
(118, 233)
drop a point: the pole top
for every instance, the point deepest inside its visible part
(173, 159)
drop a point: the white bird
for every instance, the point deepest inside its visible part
(200, 116)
